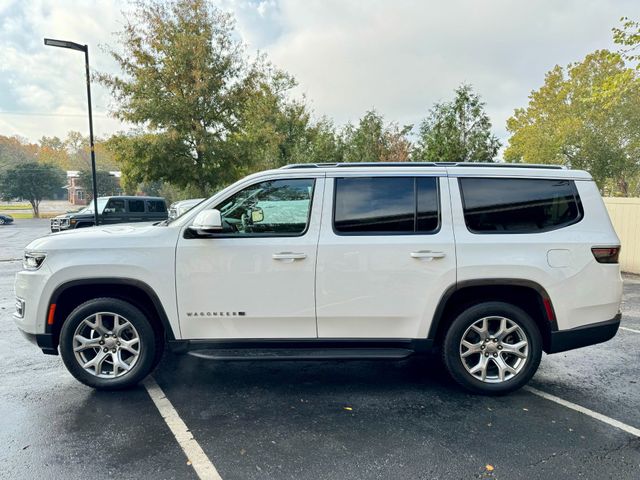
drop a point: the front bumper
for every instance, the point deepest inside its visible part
(45, 341)
(591, 334)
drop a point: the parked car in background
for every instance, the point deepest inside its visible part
(5, 219)
(114, 210)
(183, 206)
(489, 264)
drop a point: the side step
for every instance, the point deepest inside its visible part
(301, 353)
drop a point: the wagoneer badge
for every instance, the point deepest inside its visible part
(216, 314)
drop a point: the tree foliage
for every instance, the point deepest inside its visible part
(457, 131)
(205, 112)
(585, 116)
(373, 141)
(15, 151)
(31, 181)
(107, 184)
(628, 37)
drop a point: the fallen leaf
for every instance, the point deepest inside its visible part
(489, 468)
(348, 408)
(188, 462)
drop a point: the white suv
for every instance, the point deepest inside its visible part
(489, 264)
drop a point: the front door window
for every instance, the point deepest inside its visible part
(271, 208)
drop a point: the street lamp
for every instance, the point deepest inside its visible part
(83, 48)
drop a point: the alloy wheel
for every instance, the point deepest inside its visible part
(494, 349)
(106, 345)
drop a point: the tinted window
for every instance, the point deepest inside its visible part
(514, 205)
(115, 205)
(156, 206)
(386, 205)
(278, 207)
(136, 206)
(428, 215)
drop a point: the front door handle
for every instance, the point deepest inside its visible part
(427, 254)
(289, 256)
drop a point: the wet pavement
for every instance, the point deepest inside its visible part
(316, 420)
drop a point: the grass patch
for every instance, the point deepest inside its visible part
(26, 215)
(15, 206)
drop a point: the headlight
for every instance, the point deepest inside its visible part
(33, 260)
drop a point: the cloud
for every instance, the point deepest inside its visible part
(347, 55)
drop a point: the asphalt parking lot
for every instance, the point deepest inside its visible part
(318, 420)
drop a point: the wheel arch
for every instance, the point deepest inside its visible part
(69, 295)
(526, 294)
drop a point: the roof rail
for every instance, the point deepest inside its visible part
(422, 164)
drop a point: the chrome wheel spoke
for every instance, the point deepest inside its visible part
(515, 348)
(130, 346)
(480, 369)
(97, 324)
(118, 364)
(119, 325)
(96, 363)
(85, 343)
(471, 348)
(482, 331)
(503, 367)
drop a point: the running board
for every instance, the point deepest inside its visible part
(302, 353)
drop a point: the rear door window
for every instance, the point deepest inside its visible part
(386, 205)
(518, 205)
(136, 206)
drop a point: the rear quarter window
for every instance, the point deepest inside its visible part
(517, 205)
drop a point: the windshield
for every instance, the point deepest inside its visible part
(102, 202)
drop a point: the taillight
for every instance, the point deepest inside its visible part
(606, 254)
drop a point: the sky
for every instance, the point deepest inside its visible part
(348, 56)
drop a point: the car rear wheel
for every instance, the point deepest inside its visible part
(492, 348)
(109, 344)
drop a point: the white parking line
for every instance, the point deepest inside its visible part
(598, 416)
(629, 329)
(199, 461)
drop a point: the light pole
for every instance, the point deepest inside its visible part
(84, 48)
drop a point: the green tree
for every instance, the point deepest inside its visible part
(457, 131)
(585, 116)
(374, 141)
(15, 151)
(188, 86)
(628, 37)
(33, 182)
(107, 184)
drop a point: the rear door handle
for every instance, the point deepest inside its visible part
(427, 254)
(289, 256)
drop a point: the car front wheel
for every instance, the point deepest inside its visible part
(108, 344)
(492, 348)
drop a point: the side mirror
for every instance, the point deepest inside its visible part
(207, 221)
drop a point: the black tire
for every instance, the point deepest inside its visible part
(150, 346)
(453, 337)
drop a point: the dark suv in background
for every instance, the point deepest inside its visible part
(114, 210)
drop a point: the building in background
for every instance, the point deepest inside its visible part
(76, 194)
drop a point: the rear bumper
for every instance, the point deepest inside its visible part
(591, 334)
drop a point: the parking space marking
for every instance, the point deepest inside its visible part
(629, 329)
(578, 408)
(199, 461)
